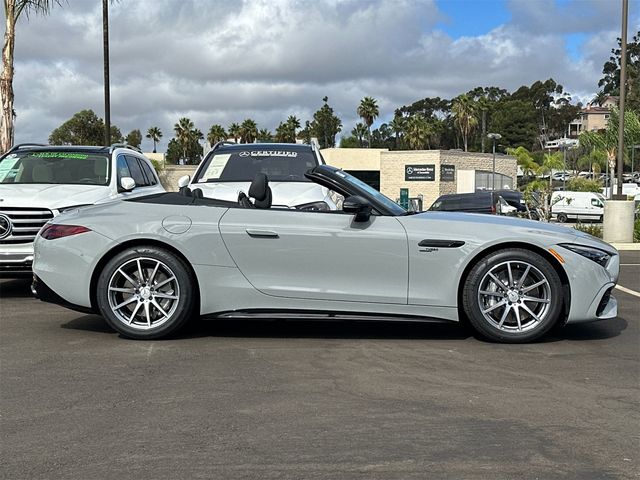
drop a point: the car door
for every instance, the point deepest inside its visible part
(318, 255)
(130, 166)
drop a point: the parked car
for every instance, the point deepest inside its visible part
(148, 264)
(577, 206)
(561, 176)
(228, 169)
(39, 182)
(478, 202)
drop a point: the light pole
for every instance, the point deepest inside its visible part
(564, 145)
(633, 151)
(494, 137)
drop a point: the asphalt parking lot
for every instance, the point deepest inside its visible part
(304, 400)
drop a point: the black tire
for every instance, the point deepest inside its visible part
(481, 296)
(562, 218)
(160, 304)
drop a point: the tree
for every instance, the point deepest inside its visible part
(579, 184)
(13, 9)
(398, 125)
(155, 134)
(234, 131)
(599, 98)
(516, 121)
(306, 133)
(264, 135)
(610, 82)
(368, 111)
(248, 131)
(185, 134)
(176, 151)
(134, 138)
(293, 123)
(607, 140)
(325, 125)
(216, 134)
(525, 160)
(359, 131)
(551, 162)
(84, 128)
(464, 111)
(417, 132)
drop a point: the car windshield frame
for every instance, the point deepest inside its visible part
(334, 178)
(12, 161)
(198, 178)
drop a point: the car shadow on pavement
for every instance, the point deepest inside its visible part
(15, 288)
(350, 329)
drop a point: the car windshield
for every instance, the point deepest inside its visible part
(53, 167)
(392, 206)
(278, 165)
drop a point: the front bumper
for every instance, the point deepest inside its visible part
(16, 260)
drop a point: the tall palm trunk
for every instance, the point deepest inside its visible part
(6, 80)
(484, 128)
(105, 52)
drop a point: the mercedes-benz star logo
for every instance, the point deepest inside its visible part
(409, 170)
(5, 226)
(244, 153)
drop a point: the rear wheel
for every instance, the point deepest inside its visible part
(513, 296)
(145, 293)
(562, 217)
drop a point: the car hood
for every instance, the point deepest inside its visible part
(492, 228)
(51, 196)
(284, 193)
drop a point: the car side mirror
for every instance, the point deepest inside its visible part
(184, 181)
(359, 206)
(127, 184)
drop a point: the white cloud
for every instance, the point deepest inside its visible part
(222, 62)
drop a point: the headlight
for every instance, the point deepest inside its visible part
(314, 207)
(599, 256)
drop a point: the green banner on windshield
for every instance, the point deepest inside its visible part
(80, 156)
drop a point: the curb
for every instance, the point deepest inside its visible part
(626, 246)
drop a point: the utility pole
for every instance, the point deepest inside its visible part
(105, 45)
(623, 79)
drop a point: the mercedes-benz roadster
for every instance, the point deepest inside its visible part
(149, 264)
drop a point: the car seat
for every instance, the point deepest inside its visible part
(260, 192)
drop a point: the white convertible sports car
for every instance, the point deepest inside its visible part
(149, 264)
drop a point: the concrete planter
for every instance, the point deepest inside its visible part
(618, 221)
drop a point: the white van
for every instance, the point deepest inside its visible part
(577, 206)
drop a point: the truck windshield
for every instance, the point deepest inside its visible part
(53, 167)
(278, 165)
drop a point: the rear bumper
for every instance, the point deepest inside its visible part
(43, 292)
(16, 260)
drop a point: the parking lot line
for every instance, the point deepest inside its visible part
(630, 264)
(628, 290)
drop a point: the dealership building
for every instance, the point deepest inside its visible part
(424, 174)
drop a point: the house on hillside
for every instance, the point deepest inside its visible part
(593, 117)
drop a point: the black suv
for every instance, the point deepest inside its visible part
(478, 202)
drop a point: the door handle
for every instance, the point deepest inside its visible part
(262, 233)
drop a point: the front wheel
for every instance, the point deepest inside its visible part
(513, 296)
(562, 218)
(145, 293)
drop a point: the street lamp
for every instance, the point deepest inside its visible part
(494, 137)
(564, 144)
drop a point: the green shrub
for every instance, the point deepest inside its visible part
(579, 184)
(159, 166)
(590, 228)
(636, 230)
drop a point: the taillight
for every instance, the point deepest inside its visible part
(51, 232)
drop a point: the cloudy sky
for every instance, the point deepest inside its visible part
(221, 61)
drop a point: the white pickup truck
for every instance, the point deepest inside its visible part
(39, 182)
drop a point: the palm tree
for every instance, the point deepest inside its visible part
(248, 131)
(368, 111)
(13, 9)
(551, 162)
(234, 131)
(417, 132)
(184, 130)
(216, 134)
(525, 160)
(359, 131)
(155, 134)
(264, 135)
(293, 124)
(464, 110)
(398, 125)
(599, 98)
